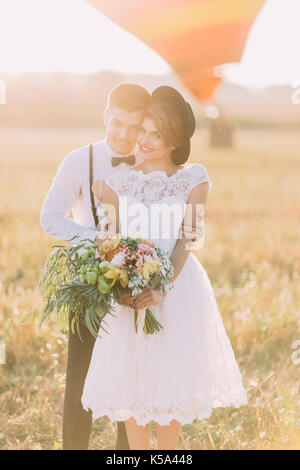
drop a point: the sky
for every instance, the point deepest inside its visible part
(70, 35)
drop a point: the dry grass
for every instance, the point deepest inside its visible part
(251, 255)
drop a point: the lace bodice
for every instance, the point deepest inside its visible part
(150, 197)
(157, 186)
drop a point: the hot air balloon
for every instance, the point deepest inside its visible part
(193, 36)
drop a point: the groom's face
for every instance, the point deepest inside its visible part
(122, 128)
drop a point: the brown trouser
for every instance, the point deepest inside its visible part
(77, 422)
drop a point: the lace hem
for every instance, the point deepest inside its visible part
(162, 417)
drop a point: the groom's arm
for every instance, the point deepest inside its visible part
(61, 199)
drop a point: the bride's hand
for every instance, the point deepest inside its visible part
(145, 299)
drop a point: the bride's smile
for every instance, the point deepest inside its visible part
(151, 143)
(154, 144)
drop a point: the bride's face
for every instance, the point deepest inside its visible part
(150, 143)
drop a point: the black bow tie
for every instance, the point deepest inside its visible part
(115, 161)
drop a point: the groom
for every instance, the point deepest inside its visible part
(70, 192)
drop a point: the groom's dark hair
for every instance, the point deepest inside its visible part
(129, 96)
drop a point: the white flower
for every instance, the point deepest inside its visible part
(118, 259)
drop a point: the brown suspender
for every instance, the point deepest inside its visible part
(94, 210)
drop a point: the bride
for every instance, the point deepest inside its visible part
(188, 368)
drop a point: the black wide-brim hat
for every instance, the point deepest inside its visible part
(171, 95)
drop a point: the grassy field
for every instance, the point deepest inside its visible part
(251, 255)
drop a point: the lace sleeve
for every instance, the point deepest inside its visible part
(199, 175)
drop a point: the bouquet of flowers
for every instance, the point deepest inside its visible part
(88, 283)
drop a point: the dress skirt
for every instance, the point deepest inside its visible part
(182, 372)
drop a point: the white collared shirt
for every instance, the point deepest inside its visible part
(70, 192)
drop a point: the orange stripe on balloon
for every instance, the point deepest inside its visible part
(205, 46)
(202, 88)
(204, 74)
(222, 56)
(193, 16)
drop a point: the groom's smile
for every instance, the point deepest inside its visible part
(122, 128)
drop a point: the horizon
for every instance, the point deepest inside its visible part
(169, 74)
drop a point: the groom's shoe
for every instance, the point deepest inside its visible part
(122, 441)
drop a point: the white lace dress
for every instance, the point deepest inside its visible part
(189, 367)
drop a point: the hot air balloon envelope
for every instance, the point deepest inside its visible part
(193, 36)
